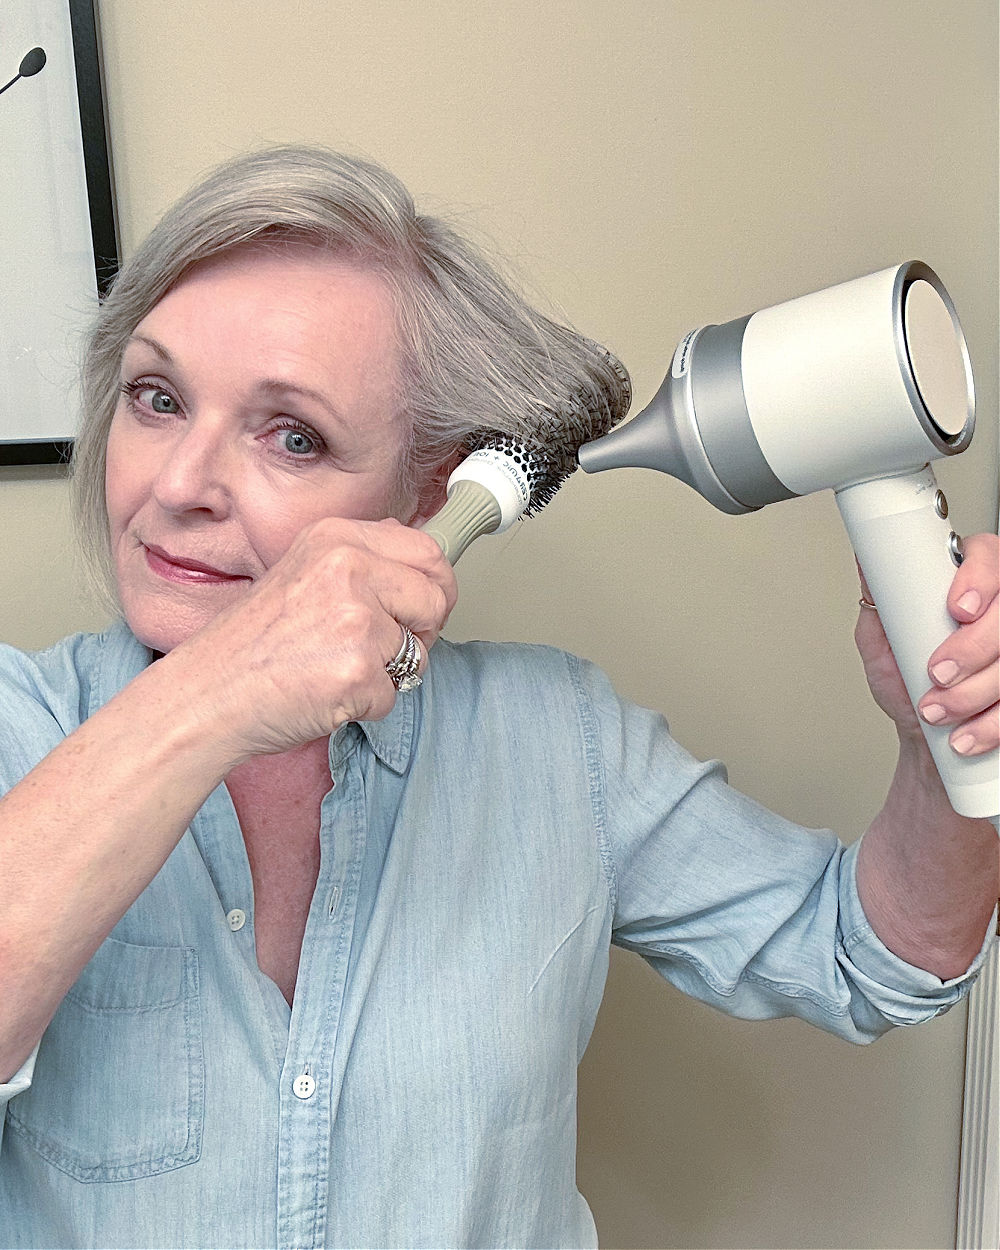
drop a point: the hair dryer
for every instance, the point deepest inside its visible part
(854, 388)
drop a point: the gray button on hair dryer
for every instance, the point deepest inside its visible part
(854, 388)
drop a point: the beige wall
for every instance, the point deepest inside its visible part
(651, 165)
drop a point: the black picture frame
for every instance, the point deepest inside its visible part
(82, 23)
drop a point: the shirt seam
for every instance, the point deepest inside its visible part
(860, 934)
(596, 772)
(726, 989)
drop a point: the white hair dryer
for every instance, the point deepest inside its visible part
(854, 388)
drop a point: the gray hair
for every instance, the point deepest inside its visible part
(477, 356)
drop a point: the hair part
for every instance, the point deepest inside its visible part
(476, 356)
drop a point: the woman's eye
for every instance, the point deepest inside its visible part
(160, 401)
(298, 442)
(153, 398)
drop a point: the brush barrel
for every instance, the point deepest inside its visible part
(908, 553)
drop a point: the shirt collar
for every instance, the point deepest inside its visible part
(392, 737)
(122, 658)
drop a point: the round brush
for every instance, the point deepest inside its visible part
(505, 477)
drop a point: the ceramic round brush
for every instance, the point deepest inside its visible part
(504, 477)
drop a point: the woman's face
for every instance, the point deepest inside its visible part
(259, 395)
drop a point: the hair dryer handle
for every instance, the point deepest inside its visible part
(909, 554)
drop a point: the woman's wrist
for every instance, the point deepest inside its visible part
(201, 711)
(927, 877)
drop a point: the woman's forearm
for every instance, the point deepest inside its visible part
(84, 833)
(927, 877)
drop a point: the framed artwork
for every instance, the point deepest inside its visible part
(58, 246)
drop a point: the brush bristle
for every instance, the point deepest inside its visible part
(550, 462)
(545, 472)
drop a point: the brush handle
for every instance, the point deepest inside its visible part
(471, 511)
(487, 493)
(908, 553)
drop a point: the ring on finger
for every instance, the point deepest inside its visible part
(403, 668)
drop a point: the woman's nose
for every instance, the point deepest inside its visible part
(196, 474)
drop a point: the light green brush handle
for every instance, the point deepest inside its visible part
(470, 512)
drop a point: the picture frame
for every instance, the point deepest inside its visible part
(59, 246)
(979, 1171)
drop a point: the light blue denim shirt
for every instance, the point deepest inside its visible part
(481, 847)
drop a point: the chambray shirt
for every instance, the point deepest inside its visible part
(481, 847)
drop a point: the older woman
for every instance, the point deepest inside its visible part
(287, 957)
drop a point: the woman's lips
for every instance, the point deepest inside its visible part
(181, 569)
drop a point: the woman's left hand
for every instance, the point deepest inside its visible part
(964, 671)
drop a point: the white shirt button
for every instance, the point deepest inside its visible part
(236, 919)
(304, 1086)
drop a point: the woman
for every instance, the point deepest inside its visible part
(313, 961)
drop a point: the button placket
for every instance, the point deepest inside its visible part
(307, 1109)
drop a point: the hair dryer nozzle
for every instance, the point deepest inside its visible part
(666, 436)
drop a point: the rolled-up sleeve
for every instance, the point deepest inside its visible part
(733, 904)
(904, 994)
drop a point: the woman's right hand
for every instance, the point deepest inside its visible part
(305, 651)
(301, 654)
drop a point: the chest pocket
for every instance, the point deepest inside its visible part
(118, 1090)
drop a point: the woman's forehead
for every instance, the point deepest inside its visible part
(299, 272)
(296, 313)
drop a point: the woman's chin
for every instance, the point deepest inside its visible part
(162, 629)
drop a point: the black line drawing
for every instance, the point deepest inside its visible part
(31, 63)
(58, 206)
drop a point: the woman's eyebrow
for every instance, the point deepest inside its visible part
(156, 346)
(274, 388)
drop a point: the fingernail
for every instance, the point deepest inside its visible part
(964, 744)
(970, 602)
(933, 712)
(945, 672)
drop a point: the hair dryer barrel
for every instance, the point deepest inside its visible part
(856, 381)
(860, 380)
